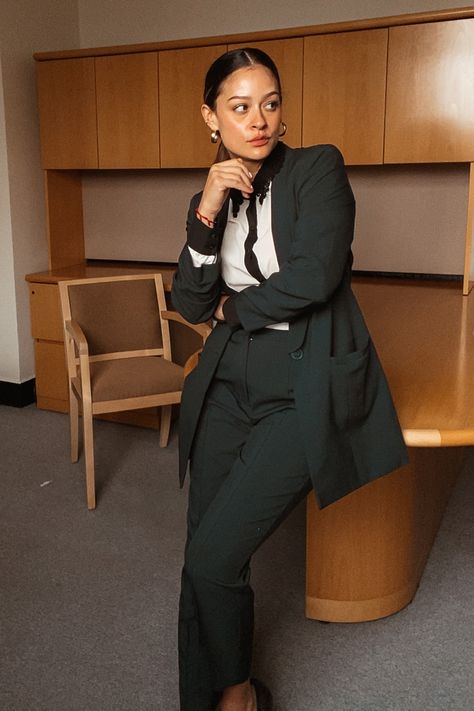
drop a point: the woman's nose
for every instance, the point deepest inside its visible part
(258, 119)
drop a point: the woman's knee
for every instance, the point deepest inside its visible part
(199, 564)
(203, 564)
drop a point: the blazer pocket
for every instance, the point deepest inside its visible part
(352, 388)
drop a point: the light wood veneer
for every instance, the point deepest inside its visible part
(184, 139)
(67, 108)
(127, 111)
(366, 552)
(344, 93)
(430, 101)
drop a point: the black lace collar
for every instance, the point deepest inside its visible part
(269, 168)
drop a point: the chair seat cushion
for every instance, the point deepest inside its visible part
(134, 377)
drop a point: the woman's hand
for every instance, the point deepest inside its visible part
(218, 313)
(221, 178)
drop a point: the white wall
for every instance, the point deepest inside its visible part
(107, 22)
(26, 26)
(9, 352)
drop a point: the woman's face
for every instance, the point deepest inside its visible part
(247, 113)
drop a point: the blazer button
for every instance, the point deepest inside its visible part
(297, 355)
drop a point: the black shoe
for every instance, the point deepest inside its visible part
(264, 696)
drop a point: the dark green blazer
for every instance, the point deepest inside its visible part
(344, 406)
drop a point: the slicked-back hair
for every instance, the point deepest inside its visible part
(228, 63)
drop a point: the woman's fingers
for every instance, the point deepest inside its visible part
(231, 174)
(221, 178)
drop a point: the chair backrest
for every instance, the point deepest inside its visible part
(118, 314)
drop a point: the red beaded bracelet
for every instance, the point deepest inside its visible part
(203, 218)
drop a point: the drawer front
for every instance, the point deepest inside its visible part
(46, 319)
(51, 373)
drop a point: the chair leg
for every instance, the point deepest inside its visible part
(165, 423)
(89, 454)
(74, 426)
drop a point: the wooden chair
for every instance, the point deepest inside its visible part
(118, 353)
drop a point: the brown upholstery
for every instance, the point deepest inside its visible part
(117, 316)
(119, 354)
(134, 377)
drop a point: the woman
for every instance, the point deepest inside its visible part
(288, 393)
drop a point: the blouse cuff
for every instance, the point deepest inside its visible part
(199, 259)
(201, 238)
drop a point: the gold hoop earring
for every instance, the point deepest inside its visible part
(284, 129)
(215, 135)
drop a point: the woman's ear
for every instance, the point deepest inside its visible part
(209, 117)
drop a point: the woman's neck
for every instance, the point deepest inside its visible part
(253, 166)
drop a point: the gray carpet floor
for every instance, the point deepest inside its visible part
(88, 600)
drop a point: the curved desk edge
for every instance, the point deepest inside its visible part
(438, 438)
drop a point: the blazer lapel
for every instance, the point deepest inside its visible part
(282, 216)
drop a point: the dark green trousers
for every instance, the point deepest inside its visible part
(247, 472)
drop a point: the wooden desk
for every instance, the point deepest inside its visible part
(366, 553)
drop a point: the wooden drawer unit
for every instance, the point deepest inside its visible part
(51, 376)
(46, 322)
(47, 330)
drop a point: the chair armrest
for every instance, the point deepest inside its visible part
(202, 328)
(191, 362)
(73, 329)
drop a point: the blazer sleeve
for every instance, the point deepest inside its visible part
(195, 291)
(320, 250)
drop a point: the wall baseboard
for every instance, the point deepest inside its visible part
(17, 394)
(408, 275)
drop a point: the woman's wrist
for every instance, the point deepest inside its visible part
(208, 210)
(208, 221)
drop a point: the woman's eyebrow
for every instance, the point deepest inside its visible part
(270, 93)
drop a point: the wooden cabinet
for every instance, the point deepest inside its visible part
(67, 108)
(184, 137)
(140, 109)
(288, 57)
(344, 93)
(127, 110)
(430, 93)
(100, 112)
(46, 321)
(47, 330)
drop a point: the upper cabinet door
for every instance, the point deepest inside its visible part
(344, 93)
(127, 110)
(184, 137)
(68, 122)
(430, 93)
(288, 57)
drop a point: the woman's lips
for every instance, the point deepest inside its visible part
(263, 140)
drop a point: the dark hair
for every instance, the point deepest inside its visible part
(228, 63)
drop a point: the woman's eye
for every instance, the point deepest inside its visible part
(272, 105)
(240, 108)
